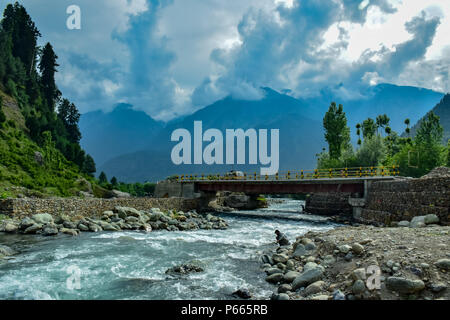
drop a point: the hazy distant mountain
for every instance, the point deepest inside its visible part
(442, 109)
(124, 130)
(300, 137)
(299, 121)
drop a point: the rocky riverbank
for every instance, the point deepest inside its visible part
(121, 218)
(363, 262)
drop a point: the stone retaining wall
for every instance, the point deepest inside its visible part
(329, 204)
(389, 201)
(75, 207)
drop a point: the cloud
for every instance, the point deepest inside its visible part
(288, 49)
(171, 57)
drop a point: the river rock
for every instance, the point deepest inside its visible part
(124, 212)
(328, 260)
(314, 288)
(11, 228)
(284, 288)
(25, 223)
(431, 219)
(418, 222)
(358, 287)
(280, 296)
(270, 271)
(69, 225)
(438, 287)
(290, 276)
(290, 265)
(300, 251)
(70, 232)
(345, 248)
(6, 251)
(338, 295)
(357, 248)
(359, 274)
(403, 285)
(242, 293)
(274, 278)
(443, 264)
(184, 269)
(403, 224)
(280, 258)
(94, 227)
(83, 227)
(42, 218)
(33, 229)
(49, 231)
(310, 274)
(107, 226)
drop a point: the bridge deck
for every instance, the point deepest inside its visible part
(292, 186)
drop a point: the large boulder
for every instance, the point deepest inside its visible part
(443, 264)
(124, 212)
(43, 218)
(6, 251)
(120, 194)
(403, 285)
(274, 278)
(237, 201)
(418, 222)
(311, 273)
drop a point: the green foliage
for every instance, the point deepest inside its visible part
(448, 153)
(430, 130)
(372, 152)
(416, 160)
(415, 157)
(369, 128)
(36, 95)
(102, 179)
(114, 181)
(89, 166)
(2, 114)
(337, 134)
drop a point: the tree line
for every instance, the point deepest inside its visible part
(27, 73)
(379, 145)
(135, 189)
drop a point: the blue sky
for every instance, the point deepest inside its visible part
(170, 58)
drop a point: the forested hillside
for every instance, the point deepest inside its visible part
(39, 134)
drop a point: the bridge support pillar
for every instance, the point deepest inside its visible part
(357, 206)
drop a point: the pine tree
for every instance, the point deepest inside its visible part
(2, 115)
(448, 153)
(24, 34)
(102, 179)
(47, 66)
(69, 115)
(114, 181)
(89, 166)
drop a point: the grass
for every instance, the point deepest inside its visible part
(20, 173)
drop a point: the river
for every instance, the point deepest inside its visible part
(132, 265)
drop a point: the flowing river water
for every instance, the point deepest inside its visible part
(132, 265)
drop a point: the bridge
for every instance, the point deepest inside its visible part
(348, 180)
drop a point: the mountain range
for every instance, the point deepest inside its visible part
(132, 146)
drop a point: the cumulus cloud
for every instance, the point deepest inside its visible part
(285, 49)
(171, 57)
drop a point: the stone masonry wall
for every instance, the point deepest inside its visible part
(390, 201)
(329, 204)
(75, 207)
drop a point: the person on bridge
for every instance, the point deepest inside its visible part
(282, 240)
